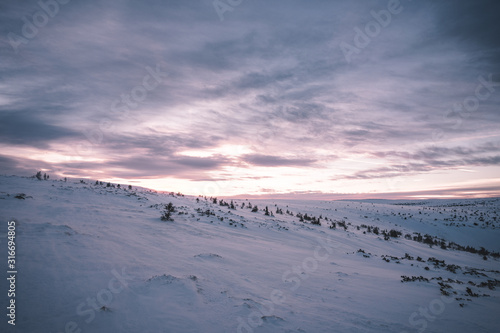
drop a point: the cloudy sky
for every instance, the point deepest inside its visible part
(322, 97)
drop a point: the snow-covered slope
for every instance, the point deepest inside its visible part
(92, 258)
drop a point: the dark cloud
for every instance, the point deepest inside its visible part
(22, 166)
(143, 166)
(8, 165)
(26, 128)
(431, 159)
(436, 153)
(473, 24)
(203, 163)
(260, 80)
(154, 144)
(276, 161)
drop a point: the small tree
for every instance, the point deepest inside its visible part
(255, 209)
(394, 233)
(428, 240)
(166, 216)
(39, 175)
(167, 213)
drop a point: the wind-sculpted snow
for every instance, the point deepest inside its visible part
(93, 258)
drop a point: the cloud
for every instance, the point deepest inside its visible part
(434, 153)
(22, 166)
(146, 167)
(271, 78)
(401, 163)
(8, 164)
(276, 161)
(27, 128)
(156, 167)
(392, 197)
(466, 22)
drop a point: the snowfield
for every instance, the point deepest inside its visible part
(92, 258)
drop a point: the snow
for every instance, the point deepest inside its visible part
(92, 258)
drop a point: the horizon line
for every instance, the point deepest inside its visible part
(457, 193)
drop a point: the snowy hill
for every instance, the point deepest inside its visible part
(92, 258)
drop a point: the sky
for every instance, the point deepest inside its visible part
(316, 98)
